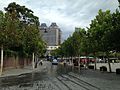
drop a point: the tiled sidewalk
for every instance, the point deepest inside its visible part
(27, 69)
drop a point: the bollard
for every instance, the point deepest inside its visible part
(103, 68)
(118, 71)
(81, 65)
(91, 67)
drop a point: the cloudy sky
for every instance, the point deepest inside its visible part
(68, 14)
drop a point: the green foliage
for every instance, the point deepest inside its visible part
(115, 32)
(74, 45)
(2, 28)
(19, 31)
(102, 36)
(99, 29)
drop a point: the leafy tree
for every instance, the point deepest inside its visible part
(99, 30)
(22, 31)
(115, 32)
(24, 14)
(2, 37)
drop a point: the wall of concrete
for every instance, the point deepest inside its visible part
(114, 66)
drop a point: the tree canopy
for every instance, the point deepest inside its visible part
(20, 30)
(102, 35)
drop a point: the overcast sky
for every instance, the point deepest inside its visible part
(68, 14)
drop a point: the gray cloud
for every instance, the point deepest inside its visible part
(66, 13)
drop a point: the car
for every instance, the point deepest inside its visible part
(54, 62)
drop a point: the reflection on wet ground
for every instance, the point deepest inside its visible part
(58, 77)
(35, 79)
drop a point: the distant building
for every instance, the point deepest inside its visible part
(51, 35)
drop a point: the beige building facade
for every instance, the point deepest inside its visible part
(51, 35)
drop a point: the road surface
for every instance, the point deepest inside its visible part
(58, 77)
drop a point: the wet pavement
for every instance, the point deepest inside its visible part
(58, 77)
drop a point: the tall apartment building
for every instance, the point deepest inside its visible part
(51, 35)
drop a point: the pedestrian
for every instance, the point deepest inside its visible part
(41, 63)
(64, 62)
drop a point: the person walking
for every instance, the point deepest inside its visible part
(41, 62)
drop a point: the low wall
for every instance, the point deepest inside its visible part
(114, 66)
(12, 62)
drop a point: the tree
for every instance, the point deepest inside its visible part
(99, 32)
(27, 33)
(2, 37)
(115, 32)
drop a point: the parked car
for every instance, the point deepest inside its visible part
(54, 62)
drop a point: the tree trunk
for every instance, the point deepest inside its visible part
(72, 63)
(95, 61)
(1, 69)
(72, 60)
(33, 62)
(79, 62)
(78, 59)
(109, 65)
(108, 62)
(16, 61)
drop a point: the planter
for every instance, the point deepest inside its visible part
(103, 68)
(118, 71)
(91, 67)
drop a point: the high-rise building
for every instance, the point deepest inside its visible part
(51, 35)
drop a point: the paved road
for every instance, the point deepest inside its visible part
(55, 77)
